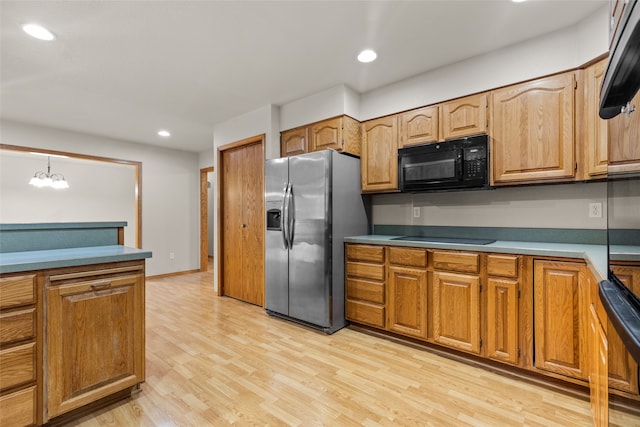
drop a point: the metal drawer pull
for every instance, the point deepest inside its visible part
(101, 285)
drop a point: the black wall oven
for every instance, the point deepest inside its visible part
(454, 164)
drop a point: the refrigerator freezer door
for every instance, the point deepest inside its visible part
(276, 253)
(310, 252)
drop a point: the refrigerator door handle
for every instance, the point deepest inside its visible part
(283, 220)
(291, 216)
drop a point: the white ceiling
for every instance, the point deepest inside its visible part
(125, 69)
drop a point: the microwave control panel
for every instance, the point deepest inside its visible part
(475, 162)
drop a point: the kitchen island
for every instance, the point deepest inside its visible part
(72, 319)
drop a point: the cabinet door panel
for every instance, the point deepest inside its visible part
(95, 345)
(532, 132)
(465, 116)
(456, 311)
(407, 301)
(379, 165)
(502, 320)
(624, 134)
(418, 126)
(596, 129)
(559, 317)
(293, 142)
(326, 134)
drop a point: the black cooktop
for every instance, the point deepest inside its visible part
(457, 240)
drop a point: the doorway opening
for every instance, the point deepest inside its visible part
(206, 218)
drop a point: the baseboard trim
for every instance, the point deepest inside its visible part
(177, 273)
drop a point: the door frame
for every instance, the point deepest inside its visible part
(258, 139)
(204, 218)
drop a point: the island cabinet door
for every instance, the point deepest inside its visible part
(456, 311)
(559, 317)
(95, 340)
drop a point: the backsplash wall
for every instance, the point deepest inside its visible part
(540, 206)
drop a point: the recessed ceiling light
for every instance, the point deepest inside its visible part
(38, 31)
(518, 1)
(164, 133)
(367, 55)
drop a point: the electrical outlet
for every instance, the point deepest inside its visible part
(416, 212)
(595, 210)
(172, 255)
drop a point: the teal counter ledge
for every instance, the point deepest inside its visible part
(38, 246)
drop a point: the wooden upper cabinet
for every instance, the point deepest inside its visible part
(596, 133)
(379, 161)
(294, 142)
(463, 117)
(532, 131)
(340, 133)
(624, 134)
(418, 126)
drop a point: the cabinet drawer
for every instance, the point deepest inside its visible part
(365, 253)
(18, 409)
(502, 265)
(17, 290)
(456, 261)
(365, 270)
(17, 325)
(365, 290)
(364, 312)
(408, 256)
(17, 365)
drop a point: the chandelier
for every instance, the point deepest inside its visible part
(47, 179)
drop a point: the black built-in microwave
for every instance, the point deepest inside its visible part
(449, 165)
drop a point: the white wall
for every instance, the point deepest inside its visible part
(540, 206)
(170, 189)
(98, 191)
(335, 101)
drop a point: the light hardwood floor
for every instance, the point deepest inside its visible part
(214, 361)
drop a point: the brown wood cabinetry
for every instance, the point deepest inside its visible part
(20, 349)
(532, 131)
(379, 161)
(407, 291)
(456, 300)
(503, 290)
(623, 370)
(95, 334)
(624, 134)
(365, 284)
(418, 126)
(560, 304)
(596, 130)
(294, 141)
(340, 133)
(464, 116)
(599, 392)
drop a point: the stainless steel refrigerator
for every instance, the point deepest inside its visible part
(313, 201)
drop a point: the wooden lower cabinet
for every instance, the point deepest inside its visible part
(503, 294)
(95, 335)
(598, 366)
(559, 317)
(365, 285)
(456, 311)
(20, 349)
(407, 291)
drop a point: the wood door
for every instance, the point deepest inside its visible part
(456, 311)
(326, 134)
(599, 392)
(559, 317)
(242, 212)
(502, 319)
(532, 131)
(624, 134)
(379, 162)
(596, 136)
(95, 340)
(407, 288)
(623, 370)
(294, 142)
(465, 116)
(418, 126)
